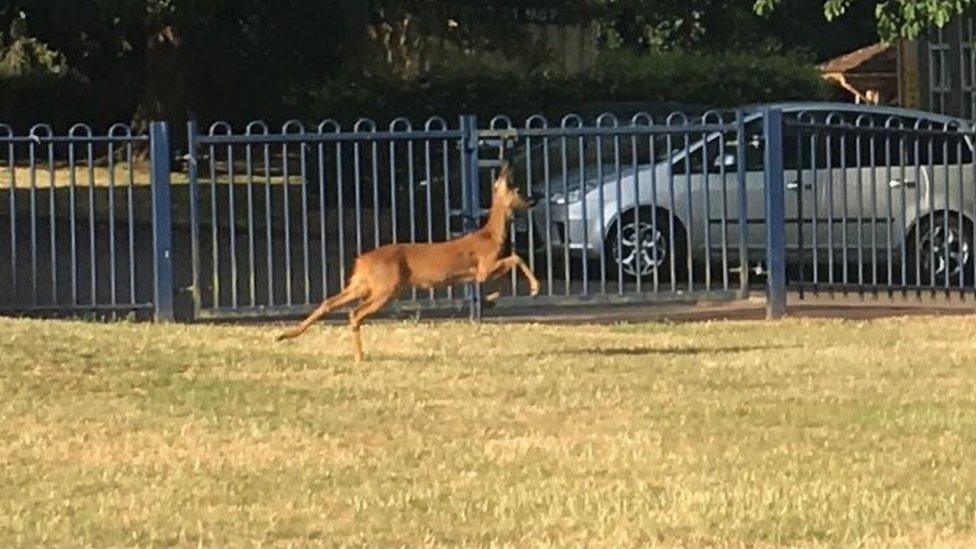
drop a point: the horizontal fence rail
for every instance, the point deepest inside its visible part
(72, 240)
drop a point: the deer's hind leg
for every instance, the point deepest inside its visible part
(352, 292)
(374, 302)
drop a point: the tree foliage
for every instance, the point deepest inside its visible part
(105, 60)
(895, 18)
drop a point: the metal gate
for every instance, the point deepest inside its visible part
(277, 217)
(878, 203)
(86, 228)
(634, 211)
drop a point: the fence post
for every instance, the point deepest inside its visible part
(775, 213)
(161, 221)
(471, 199)
(740, 174)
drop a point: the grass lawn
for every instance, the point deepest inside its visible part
(101, 176)
(799, 432)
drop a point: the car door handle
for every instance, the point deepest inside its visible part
(907, 183)
(794, 186)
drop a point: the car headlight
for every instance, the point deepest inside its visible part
(575, 194)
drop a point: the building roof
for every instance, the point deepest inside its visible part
(853, 60)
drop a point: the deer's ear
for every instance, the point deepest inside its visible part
(504, 175)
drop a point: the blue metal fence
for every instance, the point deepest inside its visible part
(73, 240)
(279, 217)
(640, 211)
(880, 203)
(815, 198)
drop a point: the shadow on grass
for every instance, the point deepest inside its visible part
(644, 350)
(416, 358)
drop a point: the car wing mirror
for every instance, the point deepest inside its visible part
(726, 160)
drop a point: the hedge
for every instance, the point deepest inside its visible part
(678, 79)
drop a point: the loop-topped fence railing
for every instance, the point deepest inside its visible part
(266, 221)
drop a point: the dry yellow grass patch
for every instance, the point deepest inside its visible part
(748, 434)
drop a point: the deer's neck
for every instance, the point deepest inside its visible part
(497, 225)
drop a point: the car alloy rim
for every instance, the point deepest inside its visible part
(641, 249)
(940, 244)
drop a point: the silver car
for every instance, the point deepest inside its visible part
(853, 195)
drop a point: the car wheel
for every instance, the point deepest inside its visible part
(942, 249)
(644, 246)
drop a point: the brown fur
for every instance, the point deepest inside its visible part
(380, 275)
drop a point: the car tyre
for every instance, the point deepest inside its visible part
(645, 246)
(938, 234)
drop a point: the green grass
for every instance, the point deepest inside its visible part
(798, 432)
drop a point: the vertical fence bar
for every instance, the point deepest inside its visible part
(706, 217)
(651, 161)
(303, 173)
(374, 157)
(194, 189)
(93, 258)
(930, 160)
(214, 225)
(740, 176)
(845, 263)
(872, 151)
(962, 201)
(446, 170)
(33, 225)
(723, 175)
(859, 189)
(814, 230)
(945, 217)
(472, 196)
(601, 204)
(162, 221)
(358, 192)
(111, 225)
(428, 184)
(548, 214)
(690, 229)
(671, 243)
(130, 183)
(11, 165)
(775, 213)
(800, 221)
(72, 185)
(620, 215)
(52, 223)
(286, 214)
(891, 207)
(268, 232)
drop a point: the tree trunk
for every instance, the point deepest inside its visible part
(164, 89)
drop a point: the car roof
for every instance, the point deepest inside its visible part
(828, 106)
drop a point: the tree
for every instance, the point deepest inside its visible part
(895, 18)
(175, 59)
(206, 59)
(795, 27)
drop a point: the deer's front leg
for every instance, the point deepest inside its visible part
(487, 272)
